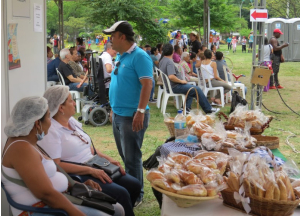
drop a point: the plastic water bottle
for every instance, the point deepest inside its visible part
(180, 124)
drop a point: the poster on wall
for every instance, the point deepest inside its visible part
(21, 8)
(37, 18)
(12, 44)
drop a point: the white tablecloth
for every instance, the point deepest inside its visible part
(213, 207)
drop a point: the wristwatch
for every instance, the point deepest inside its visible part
(141, 110)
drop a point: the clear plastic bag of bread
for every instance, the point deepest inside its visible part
(236, 160)
(165, 164)
(178, 157)
(173, 176)
(235, 118)
(214, 187)
(189, 177)
(214, 140)
(168, 118)
(194, 116)
(164, 184)
(193, 190)
(257, 118)
(153, 174)
(200, 128)
(244, 137)
(284, 184)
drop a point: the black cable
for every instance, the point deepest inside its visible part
(285, 103)
(270, 110)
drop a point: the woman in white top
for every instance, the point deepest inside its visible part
(268, 50)
(22, 159)
(209, 71)
(67, 141)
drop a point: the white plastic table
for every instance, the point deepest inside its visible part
(213, 207)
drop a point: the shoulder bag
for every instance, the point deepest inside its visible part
(97, 162)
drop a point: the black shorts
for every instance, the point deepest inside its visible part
(250, 45)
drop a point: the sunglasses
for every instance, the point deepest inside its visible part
(117, 67)
(75, 133)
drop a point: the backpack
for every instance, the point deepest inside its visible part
(237, 99)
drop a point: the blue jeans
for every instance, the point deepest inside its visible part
(152, 90)
(125, 190)
(88, 211)
(73, 87)
(129, 144)
(183, 89)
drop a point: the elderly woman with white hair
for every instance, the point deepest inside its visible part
(24, 162)
(66, 141)
(186, 64)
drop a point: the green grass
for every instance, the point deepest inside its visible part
(157, 132)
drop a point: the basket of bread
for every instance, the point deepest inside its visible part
(189, 180)
(241, 115)
(254, 187)
(169, 122)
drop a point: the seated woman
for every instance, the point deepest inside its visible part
(23, 160)
(210, 72)
(187, 65)
(177, 54)
(67, 141)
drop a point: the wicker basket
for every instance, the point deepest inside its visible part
(261, 206)
(253, 131)
(183, 201)
(170, 126)
(271, 142)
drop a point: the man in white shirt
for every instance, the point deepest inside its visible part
(108, 64)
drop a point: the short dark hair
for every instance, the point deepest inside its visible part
(81, 52)
(176, 48)
(208, 54)
(167, 50)
(192, 55)
(129, 38)
(48, 49)
(202, 46)
(219, 55)
(159, 46)
(153, 50)
(266, 41)
(79, 40)
(72, 50)
(212, 46)
(147, 45)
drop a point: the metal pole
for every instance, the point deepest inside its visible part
(205, 21)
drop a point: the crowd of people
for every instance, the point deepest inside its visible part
(42, 130)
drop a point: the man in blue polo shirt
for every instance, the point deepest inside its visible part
(130, 87)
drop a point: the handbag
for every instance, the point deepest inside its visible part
(281, 58)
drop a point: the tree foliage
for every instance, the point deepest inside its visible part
(140, 13)
(224, 17)
(278, 8)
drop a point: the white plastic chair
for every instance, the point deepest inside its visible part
(155, 72)
(160, 90)
(204, 88)
(234, 85)
(166, 94)
(180, 68)
(75, 94)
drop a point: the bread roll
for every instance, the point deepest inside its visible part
(194, 166)
(154, 174)
(209, 163)
(296, 183)
(164, 168)
(270, 191)
(234, 181)
(231, 134)
(283, 191)
(247, 186)
(276, 193)
(179, 158)
(173, 176)
(163, 184)
(193, 190)
(289, 188)
(189, 178)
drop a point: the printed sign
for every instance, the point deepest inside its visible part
(278, 25)
(13, 51)
(258, 15)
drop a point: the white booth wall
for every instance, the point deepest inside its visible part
(30, 78)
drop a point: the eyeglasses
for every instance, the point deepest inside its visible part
(117, 67)
(75, 133)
